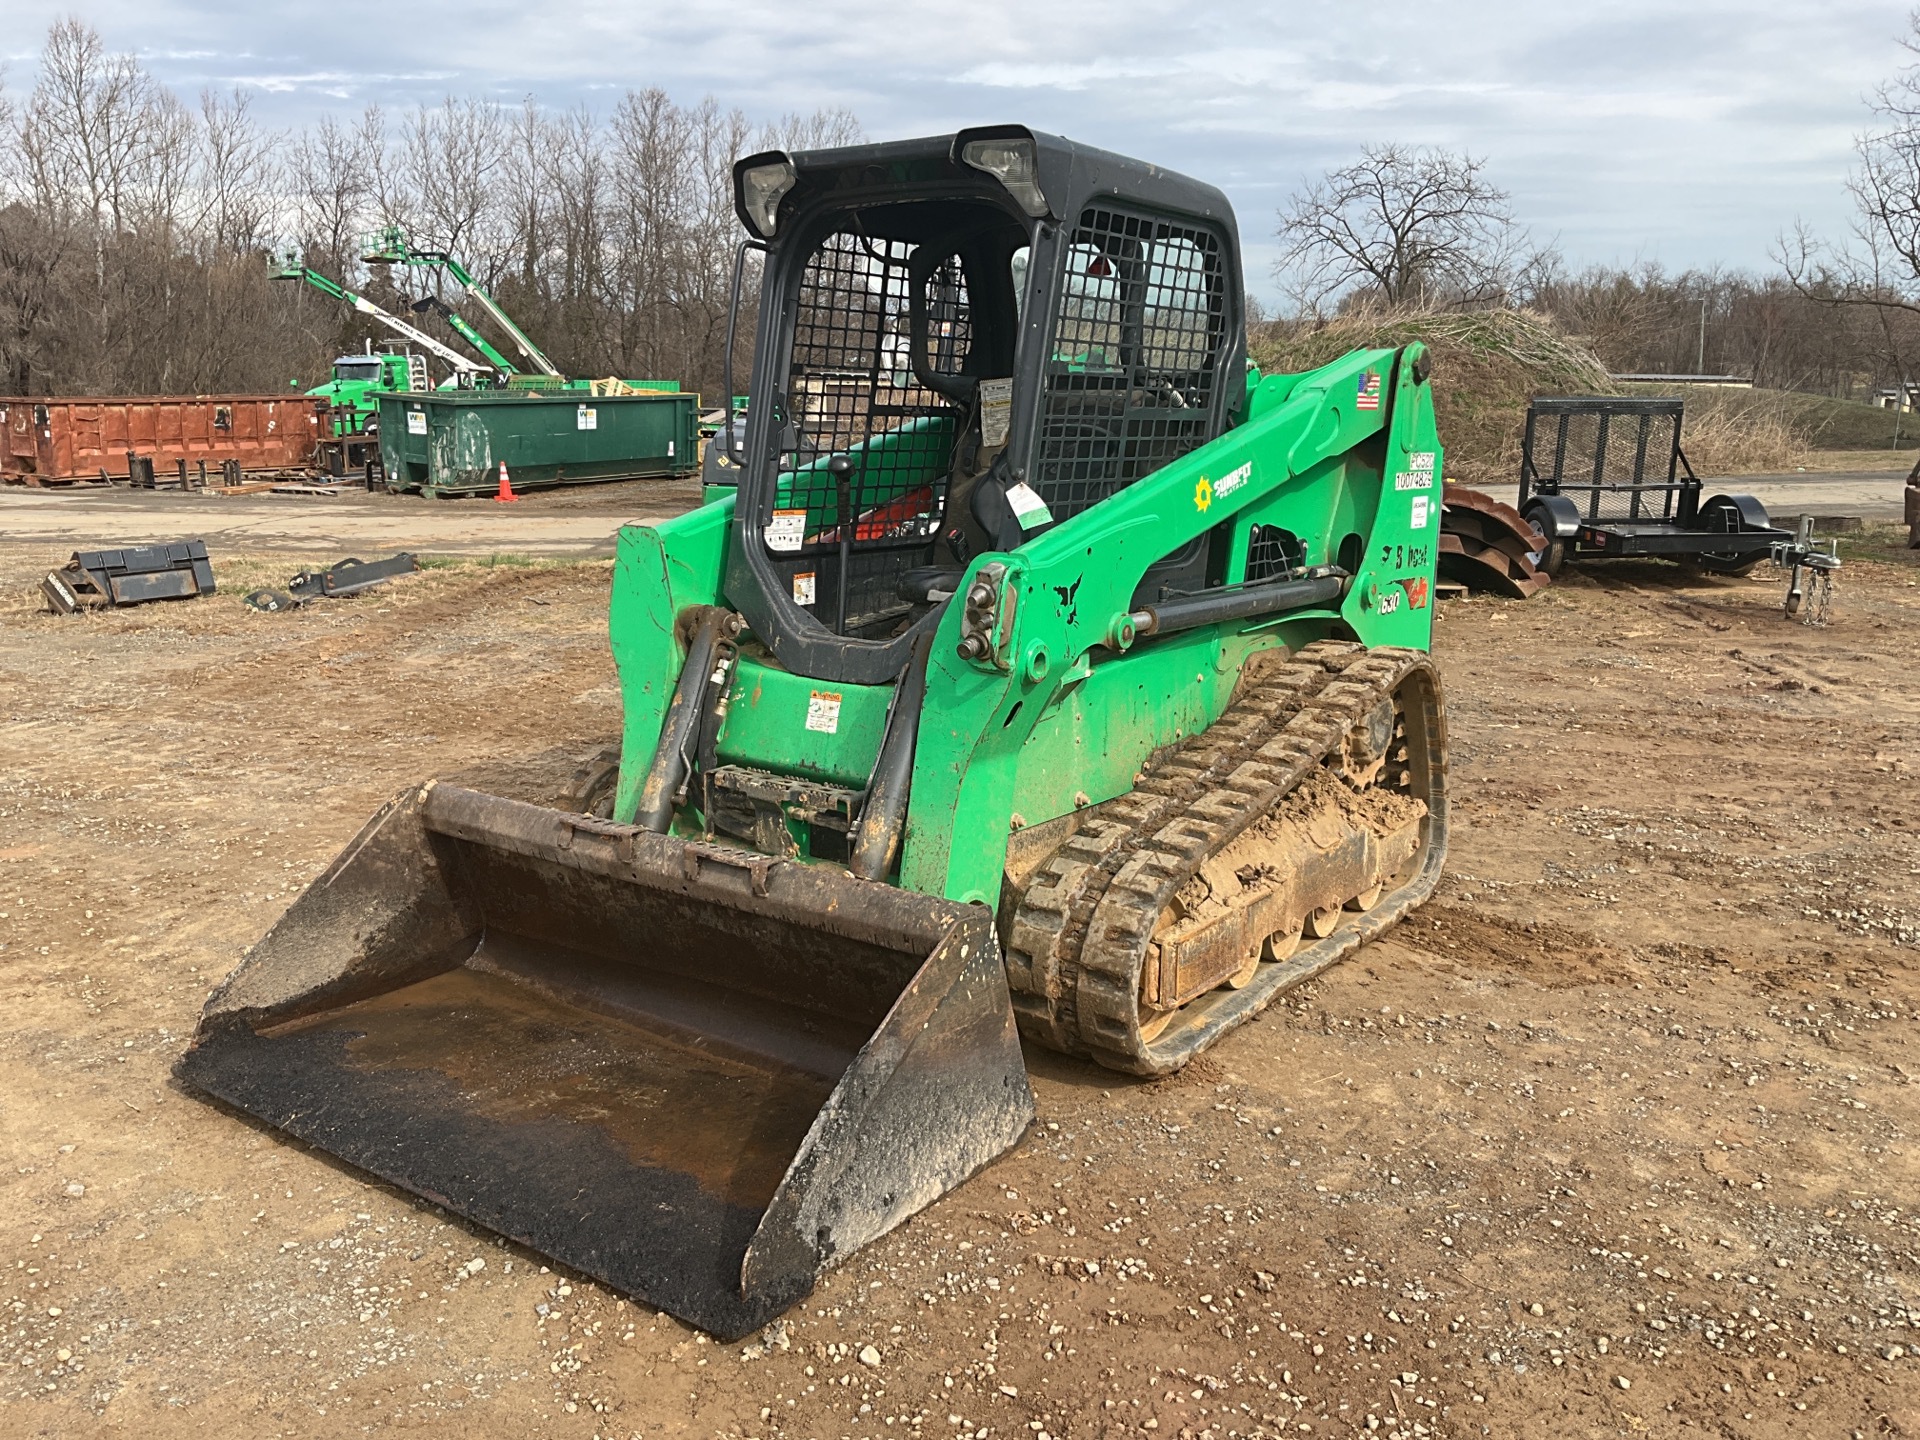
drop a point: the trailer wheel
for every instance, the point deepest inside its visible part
(1551, 557)
(1729, 515)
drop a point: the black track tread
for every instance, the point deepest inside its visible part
(1049, 921)
(1081, 929)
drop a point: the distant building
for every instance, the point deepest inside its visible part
(1894, 397)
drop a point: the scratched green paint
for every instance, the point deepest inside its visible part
(773, 712)
(997, 743)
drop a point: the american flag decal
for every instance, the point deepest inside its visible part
(1369, 397)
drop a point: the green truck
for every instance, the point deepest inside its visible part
(358, 380)
(352, 397)
(359, 383)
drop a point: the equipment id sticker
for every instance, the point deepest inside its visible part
(416, 422)
(1419, 472)
(804, 589)
(1028, 508)
(996, 411)
(823, 711)
(788, 530)
(1420, 507)
(586, 418)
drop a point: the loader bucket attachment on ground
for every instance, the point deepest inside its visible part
(695, 1073)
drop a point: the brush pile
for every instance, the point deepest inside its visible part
(1487, 365)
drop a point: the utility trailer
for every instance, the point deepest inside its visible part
(1604, 476)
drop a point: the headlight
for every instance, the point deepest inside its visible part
(1012, 163)
(761, 190)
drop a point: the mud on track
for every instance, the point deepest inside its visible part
(1614, 1137)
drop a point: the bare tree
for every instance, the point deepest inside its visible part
(1402, 225)
(329, 174)
(237, 176)
(133, 227)
(651, 169)
(449, 157)
(37, 237)
(84, 124)
(824, 129)
(1876, 269)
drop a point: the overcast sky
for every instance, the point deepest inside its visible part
(1688, 133)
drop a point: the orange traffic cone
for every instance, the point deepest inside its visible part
(505, 495)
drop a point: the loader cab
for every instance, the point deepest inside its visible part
(962, 341)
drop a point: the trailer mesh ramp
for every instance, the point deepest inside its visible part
(1615, 458)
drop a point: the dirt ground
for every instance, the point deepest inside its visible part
(576, 522)
(1613, 1137)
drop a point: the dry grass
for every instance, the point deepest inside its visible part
(1487, 365)
(1740, 432)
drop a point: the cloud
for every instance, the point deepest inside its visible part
(337, 82)
(1628, 128)
(1028, 75)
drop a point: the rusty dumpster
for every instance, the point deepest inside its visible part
(60, 439)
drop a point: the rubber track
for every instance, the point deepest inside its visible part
(1050, 920)
(1078, 935)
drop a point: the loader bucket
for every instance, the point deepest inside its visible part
(696, 1073)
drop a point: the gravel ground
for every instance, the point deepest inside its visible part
(1613, 1137)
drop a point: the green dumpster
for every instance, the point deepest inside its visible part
(452, 443)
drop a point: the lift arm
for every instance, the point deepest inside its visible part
(391, 248)
(535, 355)
(465, 331)
(462, 364)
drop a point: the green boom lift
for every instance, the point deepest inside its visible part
(358, 381)
(391, 247)
(433, 304)
(461, 365)
(1049, 674)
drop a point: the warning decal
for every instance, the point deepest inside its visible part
(823, 711)
(996, 409)
(788, 530)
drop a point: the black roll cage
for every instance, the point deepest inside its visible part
(828, 186)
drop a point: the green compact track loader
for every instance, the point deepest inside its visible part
(1051, 674)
